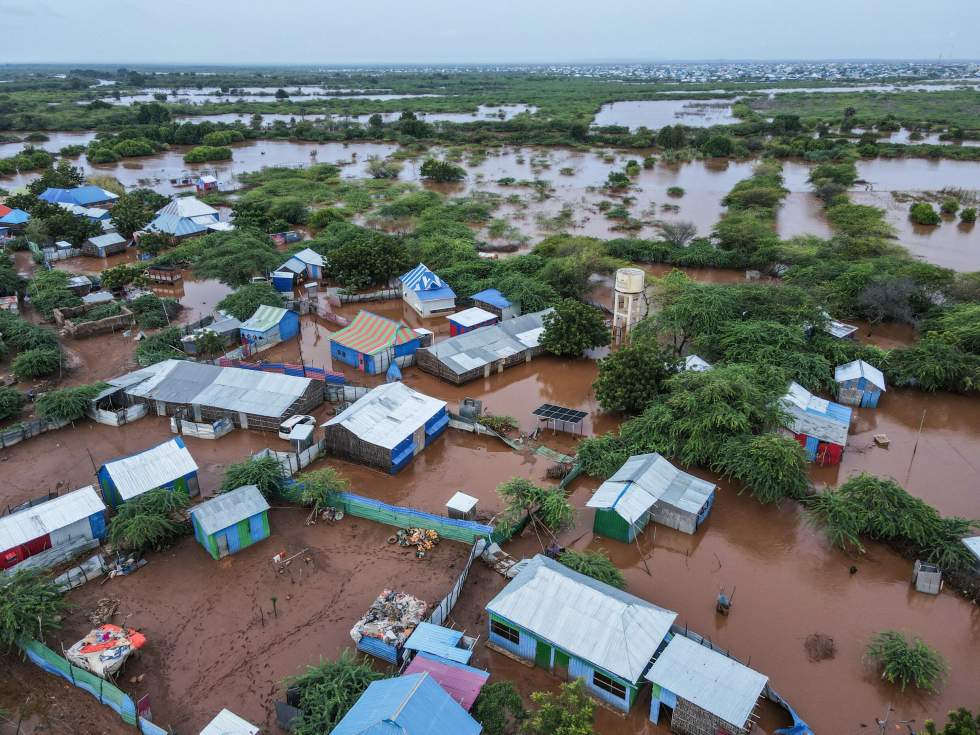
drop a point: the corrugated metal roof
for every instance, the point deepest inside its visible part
(696, 364)
(420, 279)
(472, 316)
(188, 207)
(413, 704)
(97, 297)
(839, 329)
(388, 414)
(973, 544)
(461, 682)
(709, 680)
(602, 625)
(80, 195)
(264, 318)
(104, 241)
(171, 224)
(309, 256)
(816, 417)
(370, 334)
(15, 217)
(486, 345)
(138, 473)
(227, 509)
(233, 389)
(860, 369)
(227, 722)
(645, 479)
(30, 523)
(493, 297)
(439, 641)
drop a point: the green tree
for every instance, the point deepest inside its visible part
(149, 521)
(949, 205)
(522, 497)
(570, 712)
(499, 709)
(134, 210)
(319, 486)
(436, 170)
(264, 472)
(632, 377)
(748, 234)
(58, 176)
(234, 257)
(67, 404)
(209, 344)
(907, 662)
(328, 690)
(243, 302)
(379, 168)
(358, 257)
(933, 364)
(595, 564)
(770, 466)
(30, 606)
(718, 146)
(572, 328)
(923, 213)
(38, 363)
(11, 401)
(961, 722)
(968, 215)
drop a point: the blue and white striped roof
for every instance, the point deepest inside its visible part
(425, 283)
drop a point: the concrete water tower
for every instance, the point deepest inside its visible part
(629, 303)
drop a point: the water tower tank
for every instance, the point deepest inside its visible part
(629, 304)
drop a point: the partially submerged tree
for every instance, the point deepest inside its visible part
(595, 564)
(320, 486)
(771, 466)
(437, 170)
(499, 709)
(328, 690)
(30, 606)
(243, 302)
(678, 234)
(149, 521)
(522, 497)
(264, 472)
(906, 661)
(234, 257)
(570, 712)
(633, 376)
(572, 328)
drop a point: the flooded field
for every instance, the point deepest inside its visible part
(250, 94)
(656, 114)
(55, 142)
(483, 112)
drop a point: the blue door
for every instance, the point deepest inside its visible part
(232, 535)
(255, 528)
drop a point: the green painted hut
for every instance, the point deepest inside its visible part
(231, 521)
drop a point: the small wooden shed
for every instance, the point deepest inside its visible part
(231, 521)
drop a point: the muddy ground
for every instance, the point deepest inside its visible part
(214, 639)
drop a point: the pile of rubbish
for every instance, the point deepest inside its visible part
(105, 649)
(103, 611)
(124, 567)
(392, 617)
(423, 539)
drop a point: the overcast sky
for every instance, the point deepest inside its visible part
(463, 31)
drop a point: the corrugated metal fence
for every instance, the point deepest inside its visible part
(107, 694)
(401, 517)
(441, 611)
(286, 368)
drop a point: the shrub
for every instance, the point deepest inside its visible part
(319, 486)
(243, 302)
(675, 191)
(550, 507)
(164, 345)
(949, 206)
(203, 153)
(923, 213)
(150, 520)
(569, 712)
(327, 691)
(500, 424)
(264, 472)
(30, 605)
(321, 218)
(152, 312)
(67, 404)
(968, 215)
(772, 467)
(11, 401)
(37, 363)
(437, 170)
(904, 662)
(499, 708)
(595, 564)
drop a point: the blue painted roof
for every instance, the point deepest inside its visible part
(413, 704)
(426, 284)
(440, 641)
(171, 224)
(493, 297)
(15, 217)
(83, 196)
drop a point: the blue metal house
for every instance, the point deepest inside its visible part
(413, 704)
(425, 292)
(387, 427)
(371, 343)
(83, 196)
(306, 262)
(231, 521)
(168, 465)
(269, 325)
(859, 384)
(495, 302)
(819, 425)
(578, 628)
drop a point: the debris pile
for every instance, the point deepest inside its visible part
(423, 539)
(392, 617)
(103, 611)
(820, 647)
(105, 649)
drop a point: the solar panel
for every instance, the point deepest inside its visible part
(559, 413)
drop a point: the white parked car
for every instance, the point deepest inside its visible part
(287, 426)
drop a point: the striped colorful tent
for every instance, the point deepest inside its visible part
(370, 342)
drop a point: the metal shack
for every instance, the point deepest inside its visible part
(469, 319)
(648, 487)
(250, 399)
(79, 514)
(168, 465)
(269, 325)
(227, 722)
(426, 293)
(413, 703)
(482, 352)
(819, 425)
(493, 301)
(578, 627)
(701, 691)
(307, 263)
(231, 521)
(82, 196)
(387, 427)
(859, 384)
(371, 343)
(184, 217)
(102, 246)
(461, 682)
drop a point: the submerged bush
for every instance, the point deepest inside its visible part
(923, 213)
(595, 564)
(907, 662)
(38, 363)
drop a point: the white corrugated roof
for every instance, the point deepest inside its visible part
(696, 364)
(309, 256)
(30, 523)
(227, 722)
(643, 480)
(227, 509)
(709, 680)
(860, 369)
(472, 316)
(188, 207)
(147, 470)
(815, 416)
(973, 544)
(606, 627)
(388, 414)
